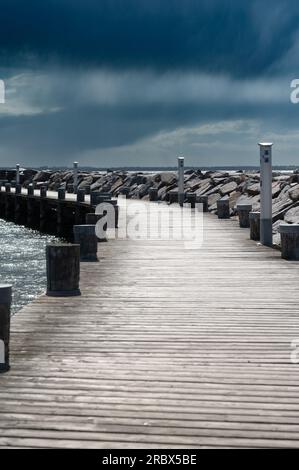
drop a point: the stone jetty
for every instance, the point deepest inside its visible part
(240, 187)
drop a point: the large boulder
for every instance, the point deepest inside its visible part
(212, 200)
(168, 178)
(253, 189)
(280, 205)
(246, 199)
(117, 184)
(294, 193)
(204, 187)
(275, 189)
(86, 182)
(292, 216)
(228, 188)
(194, 184)
(42, 176)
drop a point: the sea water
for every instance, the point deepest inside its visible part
(23, 262)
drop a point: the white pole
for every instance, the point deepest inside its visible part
(75, 176)
(266, 193)
(17, 173)
(181, 162)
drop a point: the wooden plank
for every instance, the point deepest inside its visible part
(166, 348)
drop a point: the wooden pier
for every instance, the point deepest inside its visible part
(48, 214)
(166, 348)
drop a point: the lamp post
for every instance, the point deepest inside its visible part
(266, 193)
(75, 177)
(181, 196)
(17, 173)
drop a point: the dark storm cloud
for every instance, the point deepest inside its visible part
(56, 137)
(241, 38)
(137, 81)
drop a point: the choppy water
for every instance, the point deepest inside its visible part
(23, 262)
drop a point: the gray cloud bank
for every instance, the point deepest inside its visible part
(115, 83)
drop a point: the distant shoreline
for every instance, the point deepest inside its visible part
(284, 168)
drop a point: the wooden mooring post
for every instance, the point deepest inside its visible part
(289, 234)
(5, 304)
(85, 236)
(63, 269)
(223, 210)
(243, 213)
(254, 221)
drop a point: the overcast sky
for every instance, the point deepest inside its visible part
(139, 82)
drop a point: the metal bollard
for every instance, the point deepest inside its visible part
(254, 221)
(5, 304)
(289, 234)
(223, 210)
(243, 213)
(63, 269)
(85, 236)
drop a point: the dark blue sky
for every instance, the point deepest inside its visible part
(135, 82)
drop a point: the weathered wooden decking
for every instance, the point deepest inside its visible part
(167, 347)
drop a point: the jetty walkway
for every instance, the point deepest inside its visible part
(166, 348)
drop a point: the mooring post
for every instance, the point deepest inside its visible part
(181, 195)
(266, 193)
(289, 234)
(97, 197)
(61, 194)
(223, 210)
(254, 221)
(63, 269)
(243, 213)
(191, 199)
(204, 200)
(5, 304)
(80, 195)
(75, 179)
(173, 196)
(153, 194)
(85, 236)
(30, 190)
(43, 191)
